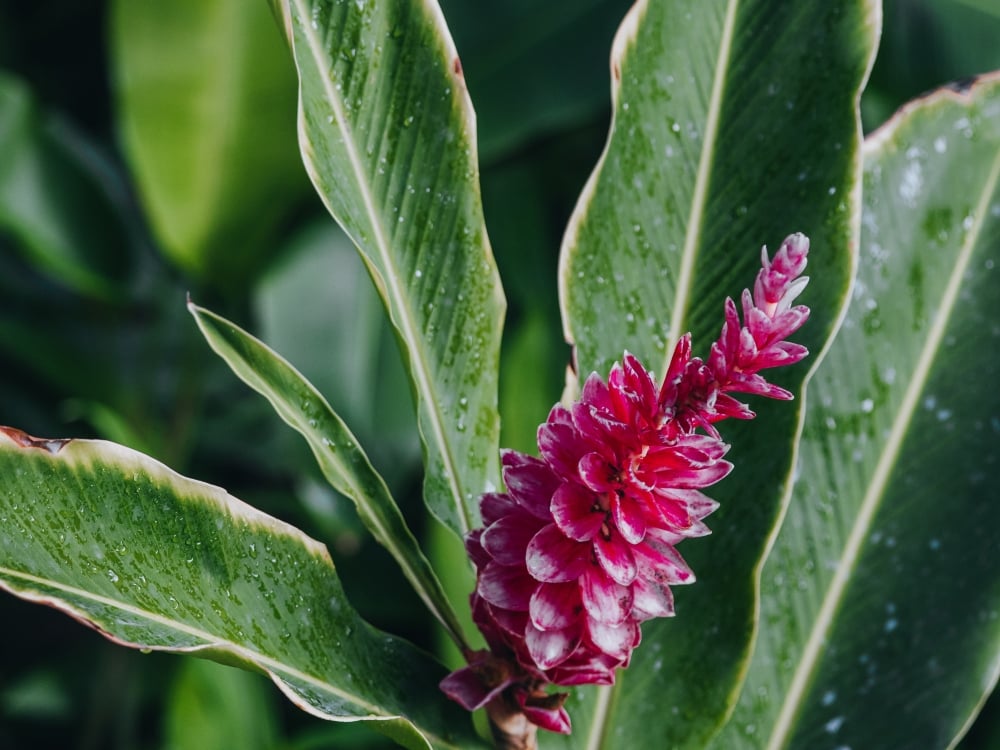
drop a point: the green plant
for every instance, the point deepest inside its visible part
(847, 597)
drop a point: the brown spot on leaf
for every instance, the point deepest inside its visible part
(962, 85)
(456, 65)
(616, 70)
(24, 440)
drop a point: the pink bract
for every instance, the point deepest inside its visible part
(581, 548)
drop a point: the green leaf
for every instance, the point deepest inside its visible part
(341, 459)
(925, 44)
(53, 199)
(213, 707)
(157, 561)
(880, 603)
(204, 92)
(387, 135)
(343, 345)
(734, 125)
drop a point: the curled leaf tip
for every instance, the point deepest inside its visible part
(24, 440)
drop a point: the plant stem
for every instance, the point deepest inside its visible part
(510, 728)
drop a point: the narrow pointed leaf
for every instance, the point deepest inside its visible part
(157, 561)
(53, 202)
(203, 89)
(341, 459)
(880, 601)
(388, 136)
(735, 124)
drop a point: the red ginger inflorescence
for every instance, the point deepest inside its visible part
(581, 548)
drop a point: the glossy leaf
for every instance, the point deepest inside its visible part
(341, 459)
(387, 135)
(735, 124)
(344, 345)
(925, 44)
(881, 599)
(204, 92)
(54, 203)
(157, 561)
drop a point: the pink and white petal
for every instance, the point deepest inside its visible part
(729, 407)
(651, 599)
(600, 426)
(597, 473)
(667, 398)
(667, 513)
(615, 557)
(595, 392)
(556, 606)
(465, 687)
(628, 517)
(615, 640)
(496, 505)
(780, 354)
(547, 713)
(510, 621)
(603, 598)
(506, 541)
(694, 478)
(561, 446)
(639, 381)
(700, 505)
(474, 549)
(659, 536)
(552, 557)
(660, 562)
(549, 648)
(599, 670)
(505, 586)
(530, 482)
(576, 511)
(697, 529)
(625, 400)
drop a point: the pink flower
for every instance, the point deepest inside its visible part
(581, 548)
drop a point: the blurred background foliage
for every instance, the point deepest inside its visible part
(147, 151)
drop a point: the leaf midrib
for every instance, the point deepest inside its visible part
(210, 640)
(419, 368)
(814, 645)
(599, 729)
(277, 670)
(696, 215)
(343, 475)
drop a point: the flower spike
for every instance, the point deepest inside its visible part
(581, 548)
